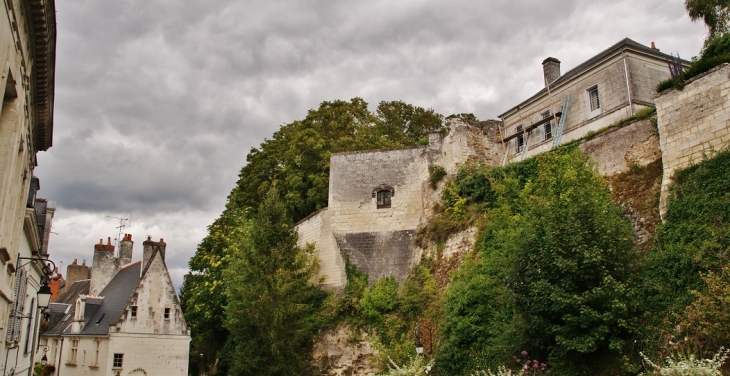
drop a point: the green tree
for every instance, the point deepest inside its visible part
(573, 261)
(296, 161)
(273, 307)
(714, 13)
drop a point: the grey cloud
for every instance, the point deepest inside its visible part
(158, 102)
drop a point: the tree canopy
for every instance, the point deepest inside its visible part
(714, 13)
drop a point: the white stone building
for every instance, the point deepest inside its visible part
(602, 90)
(27, 61)
(125, 320)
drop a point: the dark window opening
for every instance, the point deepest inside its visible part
(384, 199)
(167, 313)
(520, 140)
(133, 311)
(118, 361)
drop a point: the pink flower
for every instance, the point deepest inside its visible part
(524, 353)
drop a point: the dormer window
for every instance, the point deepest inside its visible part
(383, 195)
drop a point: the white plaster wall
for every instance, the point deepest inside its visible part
(86, 362)
(154, 293)
(155, 354)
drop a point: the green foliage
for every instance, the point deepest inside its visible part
(698, 67)
(706, 322)
(692, 241)
(466, 117)
(295, 161)
(716, 45)
(273, 310)
(416, 366)
(435, 175)
(687, 365)
(552, 273)
(297, 158)
(714, 13)
(573, 259)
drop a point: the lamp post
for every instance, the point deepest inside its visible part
(419, 345)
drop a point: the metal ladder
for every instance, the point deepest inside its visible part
(561, 123)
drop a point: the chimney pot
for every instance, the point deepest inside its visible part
(75, 262)
(84, 263)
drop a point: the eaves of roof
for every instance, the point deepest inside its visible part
(624, 44)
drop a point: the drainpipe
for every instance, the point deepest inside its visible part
(58, 361)
(628, 85)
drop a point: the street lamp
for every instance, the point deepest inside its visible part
(49, 273)
(419, 344)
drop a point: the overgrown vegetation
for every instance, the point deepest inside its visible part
(551, 272)
(715, 52)
(295, 161)
(435, 175)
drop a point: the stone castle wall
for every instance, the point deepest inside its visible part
(379, 241)
(693, 123)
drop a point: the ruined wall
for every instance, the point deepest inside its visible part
(379, 241)
(693, 123)
(615, 150)
(336, 352)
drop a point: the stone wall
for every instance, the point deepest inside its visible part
(693, 123)
(379, 241)
(339, 352)
(615, 150)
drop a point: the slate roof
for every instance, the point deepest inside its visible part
(65, 305)
(622, 44)
(99, 312)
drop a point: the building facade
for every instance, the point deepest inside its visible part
(125, 320)
(27, 61)
(609, 87)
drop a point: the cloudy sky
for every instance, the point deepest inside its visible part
(159, 101)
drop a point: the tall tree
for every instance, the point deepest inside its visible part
(272, 305)
(714, 13)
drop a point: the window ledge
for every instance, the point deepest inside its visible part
(73, 364)
(94, 366)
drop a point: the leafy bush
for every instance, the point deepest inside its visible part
(435, 175)
(695, 69)
(416, 366)
(687, 365)
(692, 241)
(716, 45)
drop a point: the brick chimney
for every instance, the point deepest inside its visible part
(76, 272)
(150, 247)
(125, 250)
(104, 267)
(551, 70)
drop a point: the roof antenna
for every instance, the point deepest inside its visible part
(121, 226)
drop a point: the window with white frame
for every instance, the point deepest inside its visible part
(593, 101)
(519, 140)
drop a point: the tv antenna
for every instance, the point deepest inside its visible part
(121, 226)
